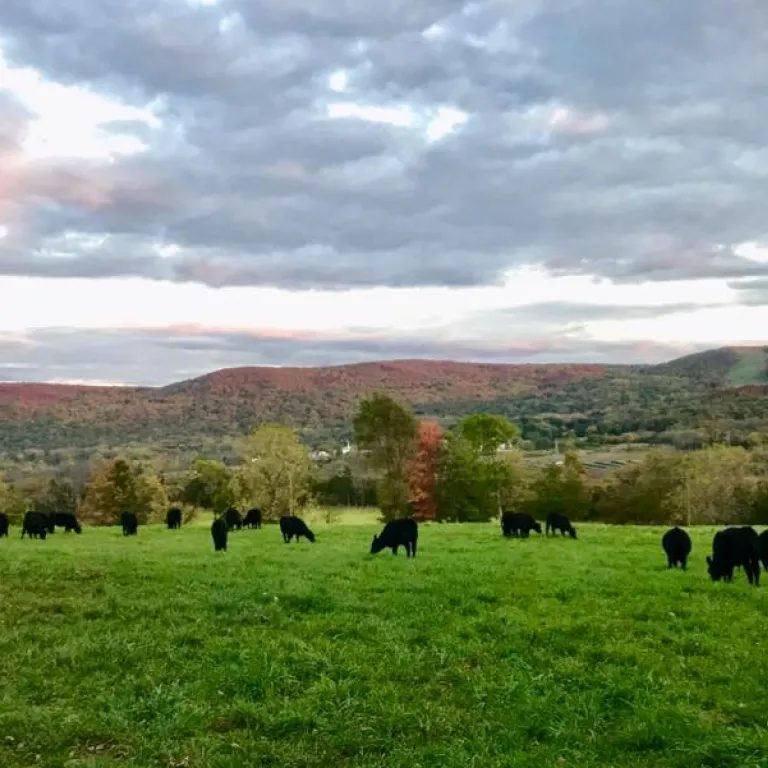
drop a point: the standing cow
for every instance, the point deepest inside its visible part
(252, 518)
(401, 532)
(233, 519)
(67, 521)
(3, 524)
(219, 533)
(518, 524)
(558, 522)
(677, 545)
(291, 526)
(130, 523)
(35, 525)
(173, 518)
(734, 547)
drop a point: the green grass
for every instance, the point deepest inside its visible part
(156, 651)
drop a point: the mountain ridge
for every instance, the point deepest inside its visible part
(321, 400)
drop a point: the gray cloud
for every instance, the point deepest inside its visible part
(751, 292)
(655, 172)
(162, 356)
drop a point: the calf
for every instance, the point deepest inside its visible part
(291, 526)
(173, 518)
(677, 544)
(219, 532)
(67, 521)
(402, 532)
(233, 518)
(558, 522)
(518, 524)
(35, 525)
(734, 547)
(130, 523)
(762, 546)
(3, 524)
(252, 518)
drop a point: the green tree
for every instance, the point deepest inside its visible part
(387, 430)
(209, 486)
(645, 493)
(12, 502)
(717, 486)
(276, 474)
(486, 432)
(59, 496)
(465, 483)
(115, 487)
(561, 487)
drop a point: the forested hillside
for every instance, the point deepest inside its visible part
(721, 391)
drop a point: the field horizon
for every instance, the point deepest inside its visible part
(155, 651)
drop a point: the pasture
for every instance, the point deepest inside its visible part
(155, 651)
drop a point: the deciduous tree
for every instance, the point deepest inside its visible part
(387, 430)
(115, 487)
(208, 486)
(422, 471)
(276, 474)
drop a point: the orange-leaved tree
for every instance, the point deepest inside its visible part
(422, 470)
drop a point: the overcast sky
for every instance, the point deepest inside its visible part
(191, 184)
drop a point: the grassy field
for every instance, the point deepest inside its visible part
(156, 651)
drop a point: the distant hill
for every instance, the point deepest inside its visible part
(724, 367)
(321, 401)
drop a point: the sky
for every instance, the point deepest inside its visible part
(187, 185)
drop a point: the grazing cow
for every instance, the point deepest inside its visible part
(401, 532)
(67, 521)
(734, 547)
(518, 524)
(3, 524)
(677, 544)
(233, 518)
(252, 518)
(219, 532)
(291, 526)
(558, 522)
(173, 518)
(35, 525)
(762, 546)
(130, 523)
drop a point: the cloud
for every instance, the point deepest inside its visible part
(623, 140)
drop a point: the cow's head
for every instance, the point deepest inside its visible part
(715, 569)
(376, 545)
(572, 532)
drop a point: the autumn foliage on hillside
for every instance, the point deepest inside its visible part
(422, 471)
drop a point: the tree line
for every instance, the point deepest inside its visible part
(409, 466)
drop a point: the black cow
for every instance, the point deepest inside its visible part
(762, 547)
(67, 521)
(233, 518)
(558, 522)
(291, 526)
(677, 544)
(130, 523)
(518, 524)
(35, 525)
(173, 518)
(252, 518)
(401, 532)
(734, 547)
(3, 524)
(219, 532)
